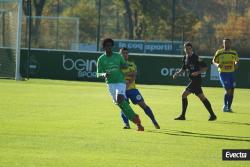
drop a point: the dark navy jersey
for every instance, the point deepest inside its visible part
(192, 64)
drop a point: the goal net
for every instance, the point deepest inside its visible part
(10, 34)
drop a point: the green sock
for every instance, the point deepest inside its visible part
(127, 110)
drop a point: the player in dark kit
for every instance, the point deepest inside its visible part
(195, 66)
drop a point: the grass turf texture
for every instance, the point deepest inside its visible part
(45, 123)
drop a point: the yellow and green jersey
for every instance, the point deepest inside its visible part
(112, 65)
(131, 69)
(227, 58)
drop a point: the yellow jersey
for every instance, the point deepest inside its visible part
(227, 58)
(128, 71)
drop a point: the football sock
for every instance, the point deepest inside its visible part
(150, 114)
(127, 110)
(208, 107)
(226, 100)
(124, 118)
(230, 100)
(137, 120)
(184, 106)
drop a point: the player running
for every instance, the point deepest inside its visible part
(195, 66)
(227, 61)
(109, 66)
(132, 92)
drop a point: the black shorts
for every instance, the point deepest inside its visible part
(195, 87)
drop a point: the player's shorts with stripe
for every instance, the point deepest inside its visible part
(134, 95)
(195, 86)
(115, 89)
(227, 80)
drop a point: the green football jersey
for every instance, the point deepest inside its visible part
(112, 65)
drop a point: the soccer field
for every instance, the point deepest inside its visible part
(46, 123)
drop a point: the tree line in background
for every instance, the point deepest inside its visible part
(203, 22)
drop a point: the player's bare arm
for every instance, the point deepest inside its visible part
(179, 72)
(132, 75)
(236, 64)
(202, 70)
(132, 78)
(216, 63)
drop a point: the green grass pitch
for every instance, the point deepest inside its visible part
(46, 123)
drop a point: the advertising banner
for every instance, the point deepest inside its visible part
(153, 47)
(151, 69)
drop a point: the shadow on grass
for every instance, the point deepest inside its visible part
(234, 123)
(243, 113)
(200, 135)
